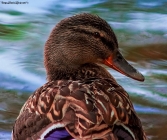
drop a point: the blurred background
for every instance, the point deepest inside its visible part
(141, 28)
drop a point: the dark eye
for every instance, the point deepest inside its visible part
(96, 34)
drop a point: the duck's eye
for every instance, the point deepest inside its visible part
(96, 34)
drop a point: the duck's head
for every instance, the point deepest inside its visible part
(84, 39)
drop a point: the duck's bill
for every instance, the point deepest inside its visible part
(117, 62)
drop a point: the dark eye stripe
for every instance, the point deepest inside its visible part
(109, 44)
(106, 42)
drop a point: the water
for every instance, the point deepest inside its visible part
(142, 34)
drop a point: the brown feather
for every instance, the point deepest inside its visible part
(88, 109)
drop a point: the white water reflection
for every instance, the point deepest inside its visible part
(10, 67)
(149, 110)
(143, 22)
(4, 135)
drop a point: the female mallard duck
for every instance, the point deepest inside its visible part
(81, 100)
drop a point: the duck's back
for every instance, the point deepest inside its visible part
(88, 109)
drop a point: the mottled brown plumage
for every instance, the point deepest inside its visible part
(80, 95)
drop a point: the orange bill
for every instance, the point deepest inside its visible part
(118, 63)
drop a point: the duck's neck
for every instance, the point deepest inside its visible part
(85, 71)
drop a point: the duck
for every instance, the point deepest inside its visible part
(81, 100)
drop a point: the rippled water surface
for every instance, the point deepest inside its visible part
(141, 28)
